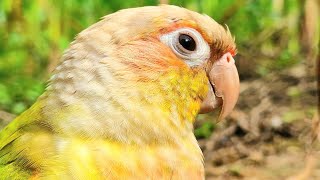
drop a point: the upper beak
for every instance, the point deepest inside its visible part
(224, 86)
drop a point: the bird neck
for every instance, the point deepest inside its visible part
(162, 110)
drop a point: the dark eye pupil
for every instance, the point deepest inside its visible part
(187, 42)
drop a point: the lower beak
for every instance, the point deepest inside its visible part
(224, 86)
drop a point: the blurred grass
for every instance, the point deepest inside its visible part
(34, 33)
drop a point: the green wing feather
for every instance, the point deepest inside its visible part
(14, 139)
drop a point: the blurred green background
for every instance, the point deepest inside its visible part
(270, 35)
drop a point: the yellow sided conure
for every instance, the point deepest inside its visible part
(122, 102)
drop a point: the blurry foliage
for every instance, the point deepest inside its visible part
(205, 130)
(33, 35)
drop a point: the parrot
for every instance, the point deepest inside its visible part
(122, 102)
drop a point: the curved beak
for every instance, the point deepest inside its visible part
(224, 86)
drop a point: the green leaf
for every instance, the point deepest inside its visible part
(205, 130)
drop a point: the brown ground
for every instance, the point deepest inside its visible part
(272, 134)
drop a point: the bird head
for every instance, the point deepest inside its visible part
(145, 64)
(178, 38)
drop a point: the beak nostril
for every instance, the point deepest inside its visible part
(228, 58)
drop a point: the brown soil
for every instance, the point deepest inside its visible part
(273, 133)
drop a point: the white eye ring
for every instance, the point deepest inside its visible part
(194, 57)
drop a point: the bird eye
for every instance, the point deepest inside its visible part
(187, 44)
